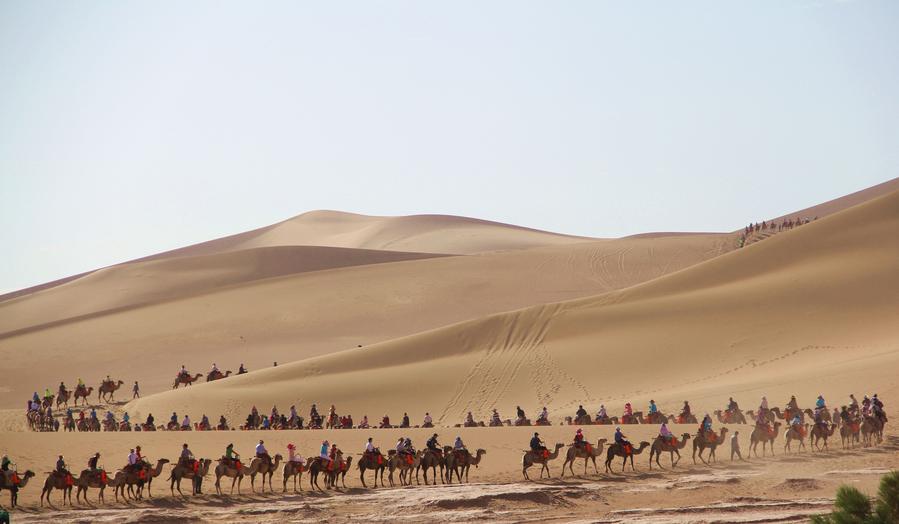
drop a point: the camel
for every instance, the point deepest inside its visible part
(404, 465)
(532, 457)
(657, 418)
(462, 463)
(235, 473)
(681, 419)
(728, 417)
(295, 469)
(186, 379)
(606, 421)
(660, 445)
(825, 414)
(63, 398)
(7, 482)
(617, 450)
(107, 390)
(702, 441)
(849, 434)
(262, 467)
(794, 433)
(376, 462)
(181, 471)
(117, 483)
(586, 452)
(134, 479)
(636, 418)
(91, 479)
(63, 483)
(83, 393)
(765, 436)
(432, 460)
(872, 428)
(819, 433)
(217, 375)
(770, 417)
(339, 471)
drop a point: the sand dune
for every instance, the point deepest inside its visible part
(304, 314)
(140, 283)
(811, 308)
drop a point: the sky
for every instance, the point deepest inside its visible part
(129, 128)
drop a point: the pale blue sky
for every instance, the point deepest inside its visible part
(128, 128)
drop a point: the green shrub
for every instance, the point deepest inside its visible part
(853, 507)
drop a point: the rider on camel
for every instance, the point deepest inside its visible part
(469, 420)
(183, 372)
(665, 433)
(581, 412)
(364, 423)
(61, 466)
(231, 457)
(433, 445)
(241, 370)
(186, 458)
(544, 415)
(428, 421)
(853, 404)
(62, 389)
(653, 409)
(792, 404)
(820, 404)
(262, 453)
(732, 406)
(293, 456)
(323, 453)
(313, 414)
(92, 463)
(385, 421)
(602, 414)
(579, 438)
(405, 423)
(185, 424)
(519, 413)
(494, 419)
(686, 411)
(459, 446)
(537, 444)
(628, 410)
(622, 441)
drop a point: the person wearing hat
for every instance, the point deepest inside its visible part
(293, 456)
(323, 452)
(537, 443)
(262, 453)
(579, 438)
(621, 440)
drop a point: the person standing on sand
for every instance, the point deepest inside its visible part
(136, 390)
(735, 446)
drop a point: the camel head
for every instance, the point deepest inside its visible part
(559, 445)
(601, 442)
(643, 445)
(685, 437)
(228, 373)
(723, 432)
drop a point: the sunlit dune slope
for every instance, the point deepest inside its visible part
(808, 310)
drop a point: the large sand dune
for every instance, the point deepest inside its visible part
(809, 309)
(220, 308)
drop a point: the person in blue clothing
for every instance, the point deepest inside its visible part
(707, 423)
(622, 441)
(653, 409)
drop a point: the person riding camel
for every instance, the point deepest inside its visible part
(878, 409)
(323, 453)
(313, 413)
(665, 433)
(428, 421)
(47, 394)
(232, 458)
(92, 463)
(433, 445)
(385, 421)
(797, 421)
(581, 413)
(628, 410)
(845, 416)
(537, 445)
(204, 423)
(370, 446)
(494, 418)
(332, 456)
(853, 404)
(132, 461)
(763, 408)
(62, 389)
(622, 441)
(150, 420)
(61, 467)
(732, 406)
(792, 404)
(173, 421)
(519, 413)
(215, 369)
(579, 438)
(602, 414)
(185, 424)
(866, 405)
(4, 463)
(241, 370)
(706, 427)
(293, 456)
(405, 423)
(186, 458)
(364, 423)
(293, 414)
(80, 383)
(469, 419)
(183, 372)
(459, 446)
(544, 416)
(820, 404)
(262, 453)
(653, 409)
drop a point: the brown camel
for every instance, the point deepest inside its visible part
(217, 375)
(63, 398)
(12, 481)
(820, 433)
(660, 445)
(64, 483)
(432, 460)
(462, 463)
(135, 481)
(850, 433)
(532, 457)
(117, 483)
(795, 433)
(265, 469)
(703, 441)
(339, 470)
(586, 452)
(234, 472)
(770, 416)
(617, 450)
(872, 431)
(295, 469)
(765, 436)
(373, 461)
(186, 380)
(83, 393)
(91, 479)
(396, 462)
(825, 414)
(107, 390)
(728, 417)
(181, 471)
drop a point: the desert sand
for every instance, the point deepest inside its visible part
(449, 315)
